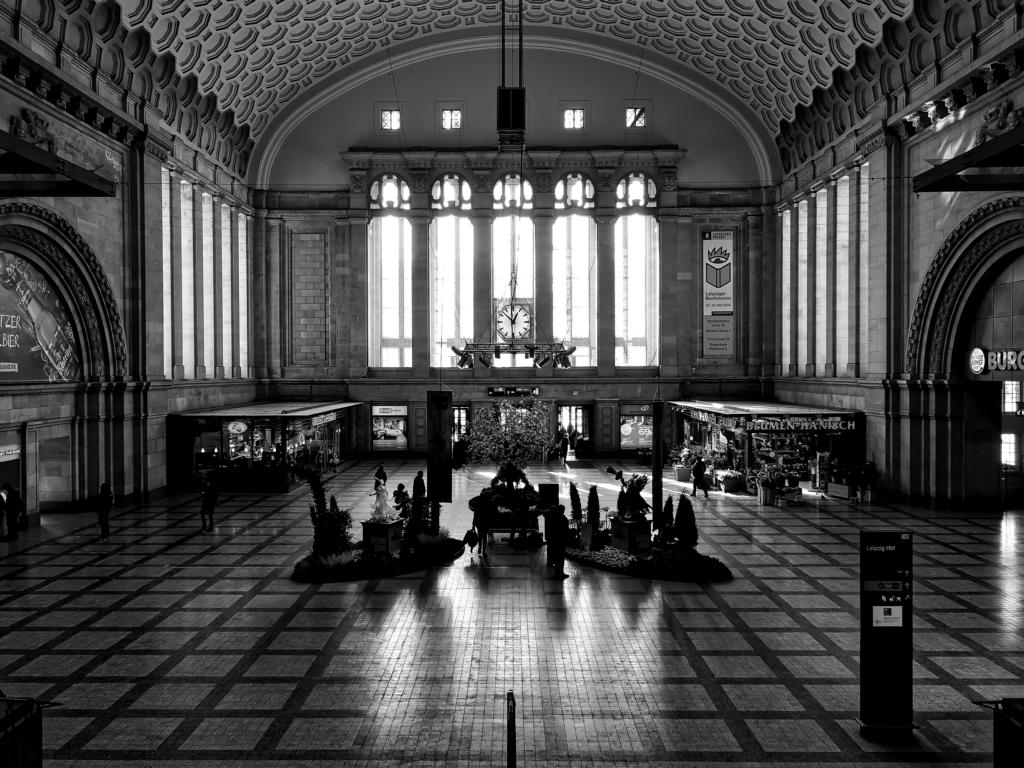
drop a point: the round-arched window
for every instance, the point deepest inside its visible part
(451, 191)
(513, 191)
(389, 191)
(574, 190)
(637, 190)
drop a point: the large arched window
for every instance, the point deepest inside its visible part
(637, 290)
(512, 258)
(390, 275)
(573, 267)
(451, 269)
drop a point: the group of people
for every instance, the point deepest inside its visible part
(566, 439)
(556, 532)
(11, 511)
(400, 501)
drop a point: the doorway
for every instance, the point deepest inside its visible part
(576, 420)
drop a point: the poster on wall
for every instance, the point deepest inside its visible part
(390, 427)
(717, 273)
(636, 427)
(37, 339)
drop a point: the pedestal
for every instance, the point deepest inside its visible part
(632, 536)
(382, 537)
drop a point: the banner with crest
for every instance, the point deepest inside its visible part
(717, 273)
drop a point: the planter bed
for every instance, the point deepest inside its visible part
(313, 570)
(667, 563)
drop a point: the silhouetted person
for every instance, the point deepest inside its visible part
(699, 470)
(556, 529)
(380, 476)
(208, 505)
(419, 487)
(12, 511)
(103, 506)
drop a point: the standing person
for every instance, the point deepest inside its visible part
(419, 487)
(380, 476)
(563, 444)
(482, 523)
(12, 511)
(103, 506)
(573, 436)
(699, 469)
(557, 532)
(208, 505)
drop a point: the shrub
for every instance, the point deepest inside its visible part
(667, 514)
(686, 523)
(331, 524)
(574, 503)
(593, 509)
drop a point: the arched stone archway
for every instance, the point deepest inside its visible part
(56, 248)
(950, 424)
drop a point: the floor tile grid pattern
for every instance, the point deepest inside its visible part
(621, 670)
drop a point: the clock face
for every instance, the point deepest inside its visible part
(514, 322)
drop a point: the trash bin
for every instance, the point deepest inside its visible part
(21, 733)
(1008, 733)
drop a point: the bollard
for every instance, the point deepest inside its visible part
(511, 715)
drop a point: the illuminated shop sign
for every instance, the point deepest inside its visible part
(985, 361)
(801, 424)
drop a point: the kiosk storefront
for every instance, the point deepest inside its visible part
(258, 445)
(822, 445)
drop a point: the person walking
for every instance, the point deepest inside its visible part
(208, 505)
(699, 470)
(556, 529)
(482, 523)
(419, 487)
(380, 476)
(12, 511)
(563, 444)
(103, 506)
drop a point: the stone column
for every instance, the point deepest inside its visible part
(482, 289)
(605, 294)
(198, 238)
(177, 300)
(807, 315)
(853, 211)
(219, 319)
(273, 288)
(791, 366)
(543, 320)
(829, 299)
(754, 287)
(421, 320)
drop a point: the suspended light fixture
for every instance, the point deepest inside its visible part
(512, 99)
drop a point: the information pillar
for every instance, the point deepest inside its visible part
(886, 630)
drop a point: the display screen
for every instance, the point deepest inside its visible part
(390, 427)
(636, 432)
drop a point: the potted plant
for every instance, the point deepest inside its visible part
(630, 528)
(732, 480)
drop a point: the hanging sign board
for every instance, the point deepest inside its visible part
(10, 452)
(390, 427)
(717, 277)
(324, 418)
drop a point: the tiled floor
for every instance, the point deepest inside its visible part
(166, 646)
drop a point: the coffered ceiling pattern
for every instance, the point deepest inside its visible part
(256, 57)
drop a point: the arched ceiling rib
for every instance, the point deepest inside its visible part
(258, 56)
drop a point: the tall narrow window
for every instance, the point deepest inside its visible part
(451, 266)
(802, 288)
(786, 326)
(1008, 450)
(1011, 396)
(187, 300)
(512, 260)
(209, 292)
(243, 295)
(390, 283)
(226, 288)
(637, 288)
(168, 277)
(844, 278)
(572, 119)
(573, 266)
(390, 120)
(822, 308)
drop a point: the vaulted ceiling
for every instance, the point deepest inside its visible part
(259, 57)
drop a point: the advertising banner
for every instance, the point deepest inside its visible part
(390, 427)
(717, 273)
(636, 432)
(37, 340)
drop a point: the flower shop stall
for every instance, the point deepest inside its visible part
(777, 444)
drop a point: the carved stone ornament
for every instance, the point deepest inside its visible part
(942, 290)
(99, 322)
(998, 120)
(542, 182)
(33, 128)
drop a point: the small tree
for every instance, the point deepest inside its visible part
(686, 523)
(574, 503)
(513, 431)
(593, 509)
(331, 524)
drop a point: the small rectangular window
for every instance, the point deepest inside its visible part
(572, 119)
(1011, 396)
(1008, 450)
(451, 119)
(390, 120)
(636, 117)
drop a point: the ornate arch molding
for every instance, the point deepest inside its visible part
(62, 251)
(977, 244)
